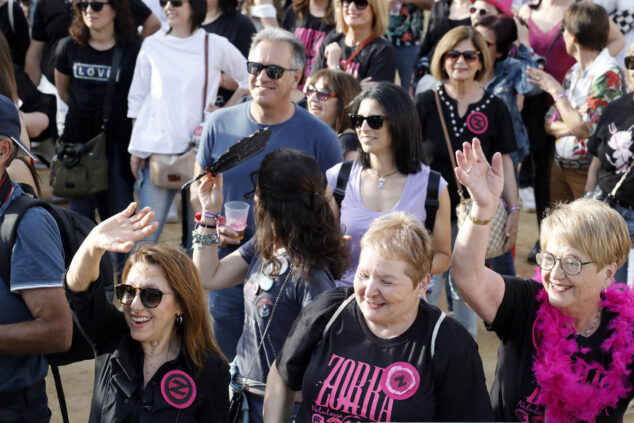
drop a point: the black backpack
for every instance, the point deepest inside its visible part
(431, 200)
(73, 228)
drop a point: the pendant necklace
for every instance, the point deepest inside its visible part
(381, 177)
(588, 331)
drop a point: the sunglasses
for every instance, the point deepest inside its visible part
(629, 62)
(150, 297)
(322, 95)
(482, 12)
(272, 71)
(175, 3)
(96, 6)
(359, 4)
(469, 55)
(375, 121)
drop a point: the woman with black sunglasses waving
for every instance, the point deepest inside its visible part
(389, 174)
(156, 359)
(461, 60)
(176, 72)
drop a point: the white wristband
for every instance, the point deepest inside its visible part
(263, 11)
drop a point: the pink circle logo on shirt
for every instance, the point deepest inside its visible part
(477, 122)
(400, 381)
(178, 389)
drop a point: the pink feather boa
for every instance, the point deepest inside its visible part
(566, 397)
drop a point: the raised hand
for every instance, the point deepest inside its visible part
(484, 182)
(210, 193)
(121, 231)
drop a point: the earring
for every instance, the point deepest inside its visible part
(179, 319)
(419, 296)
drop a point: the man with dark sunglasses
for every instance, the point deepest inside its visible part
(275, 65)
(35, 318)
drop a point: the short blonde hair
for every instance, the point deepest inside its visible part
(449, 41)
(380, 19)
(590, 226)
(401, 236)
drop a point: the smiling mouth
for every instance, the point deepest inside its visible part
(559, 288)
(139, 320)
(373, 305)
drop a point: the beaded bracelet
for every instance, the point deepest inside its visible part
(204, 240)
(513, 208)
(198, 223)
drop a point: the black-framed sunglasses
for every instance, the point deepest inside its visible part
(272, 71)
(571, 265)
(629, 62)
(375, 121)
(322, 94)
(359, 4)
(175, 3)
(150, 297)
(469, 55)
(96, 6)
(482, 12)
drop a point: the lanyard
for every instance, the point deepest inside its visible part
(358, 49)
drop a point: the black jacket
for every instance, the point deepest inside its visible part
(174, 394)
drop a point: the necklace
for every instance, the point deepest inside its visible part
(588, 331)
(560, 366)
(381, 177)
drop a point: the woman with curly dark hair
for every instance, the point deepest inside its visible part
(296, 254)
(84, 64)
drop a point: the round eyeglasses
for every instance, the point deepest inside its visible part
(571, 265)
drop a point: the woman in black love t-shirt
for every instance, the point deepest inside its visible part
(378, 352)
(357, 47)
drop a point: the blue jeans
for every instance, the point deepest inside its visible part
(32, 406)
(503, 264)
(405, 60)
(227, 311)
(159, 199)
(461, 310)
(108, 203)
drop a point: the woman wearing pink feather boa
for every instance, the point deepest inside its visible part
(566, 344)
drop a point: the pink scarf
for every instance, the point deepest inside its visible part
(560, 371)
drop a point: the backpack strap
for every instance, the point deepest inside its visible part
(337, 312)
(435, 333)
(431, 200)
(342, 181)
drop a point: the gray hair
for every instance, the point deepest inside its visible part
(281, 35)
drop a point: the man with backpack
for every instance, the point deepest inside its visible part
(34, 315)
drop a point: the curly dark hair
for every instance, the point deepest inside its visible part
(293, 211)
(124, 29)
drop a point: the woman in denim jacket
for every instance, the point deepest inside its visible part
(508, 79)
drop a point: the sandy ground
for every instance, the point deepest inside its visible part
(78, 378)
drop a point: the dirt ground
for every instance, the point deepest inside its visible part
(77, 378)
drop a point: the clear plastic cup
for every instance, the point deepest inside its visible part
(236, 213)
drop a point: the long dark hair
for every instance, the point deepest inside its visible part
(403, 123)
(293, 212)
(505, 31)
(124, 29)
(8, 86)
(300, 7)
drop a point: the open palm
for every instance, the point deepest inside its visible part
(484, 182)
(120, 232)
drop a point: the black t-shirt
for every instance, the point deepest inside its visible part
(34, 100)
(51, 21)
(89, 71)
(377, 59)
(439, 24)
(18, 36)
(613, 144)
(349, 141)
(351, 374)
(239, 30)
(514, 388)
(488, 119)
(311, 31)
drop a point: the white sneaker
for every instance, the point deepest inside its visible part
(172, 214)
(527, 198)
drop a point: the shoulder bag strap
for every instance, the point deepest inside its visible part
(449, 147)
(612, 193)
(357, 50)
(342, 182)
(431, 199)
(336, 314)
(114, 71)
(435, 333)
(552, 44)
(202, 116)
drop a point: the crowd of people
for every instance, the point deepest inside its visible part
(397, 152)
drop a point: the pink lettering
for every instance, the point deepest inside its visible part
(333, 403)
(354, 392)
(372, 394)
(327, 385)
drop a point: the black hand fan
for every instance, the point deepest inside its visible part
(244, 149)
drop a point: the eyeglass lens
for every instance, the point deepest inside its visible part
(322, 95)
(570, 264)
(629, 62)
(175, 3)
(469, 55)
(375, 121)
(359, 4)
(96, 6)
(480, 12)
(272, 71)
(150, 297)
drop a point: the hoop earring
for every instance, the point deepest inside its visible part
(179, 319)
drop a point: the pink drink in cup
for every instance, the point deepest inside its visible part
(236, 213)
